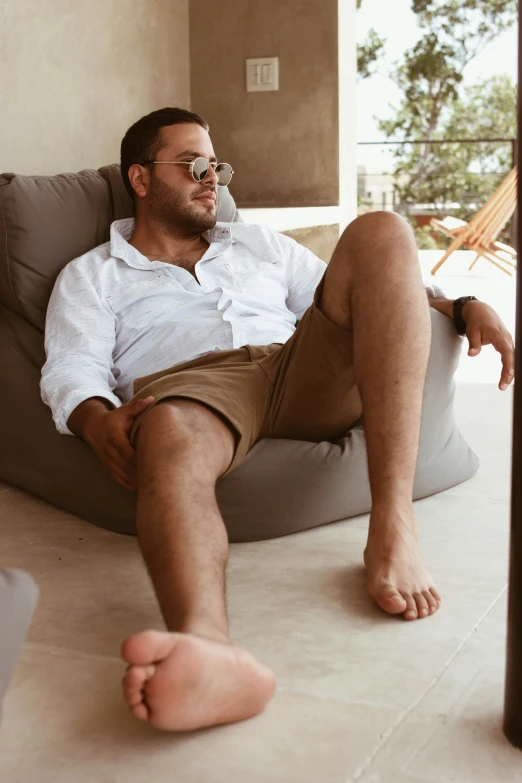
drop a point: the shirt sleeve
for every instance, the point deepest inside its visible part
(80, 335)
(304, 271)
(435, 291)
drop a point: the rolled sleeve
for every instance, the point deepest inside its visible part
(80, 335)
(75, 398)
(435, 291)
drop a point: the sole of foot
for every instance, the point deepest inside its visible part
(182, 682)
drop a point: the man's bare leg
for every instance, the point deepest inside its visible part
(373, 286)
(191, 676)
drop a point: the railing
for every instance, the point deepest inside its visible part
(466, 192)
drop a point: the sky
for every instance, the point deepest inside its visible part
(395, 21)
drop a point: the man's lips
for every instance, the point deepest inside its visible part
(209, 197)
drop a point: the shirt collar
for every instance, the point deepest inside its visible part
(121, 231)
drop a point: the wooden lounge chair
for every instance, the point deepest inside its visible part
(481, 233)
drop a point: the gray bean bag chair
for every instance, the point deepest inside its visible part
(281, 487)
(18, 597)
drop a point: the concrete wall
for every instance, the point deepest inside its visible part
(347, 120)
(283, 146)
(74, 74)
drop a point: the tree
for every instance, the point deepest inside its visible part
(369, 52)
(433, 106)
(463, 173)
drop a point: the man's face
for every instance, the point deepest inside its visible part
(173, 197)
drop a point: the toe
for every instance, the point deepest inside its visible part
(140, 711)
(436, 595)
(391, 600)
(133, 684)
(422, 605)
(432, 602)
(410, 613)
(148, 646)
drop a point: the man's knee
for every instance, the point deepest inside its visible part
(375, 241)
(376, 224)
(185, 426)
(374, 234)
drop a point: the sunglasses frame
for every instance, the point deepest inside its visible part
(191, 164)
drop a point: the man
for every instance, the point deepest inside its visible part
(193, 324)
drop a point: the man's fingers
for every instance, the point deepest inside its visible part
(126, 450)
(508, 369)
(503, 343)
(136, 407)
(118, 464)
(125, 481)
(121, 443)
(475, 342)
(121, 477)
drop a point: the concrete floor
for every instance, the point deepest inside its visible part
(361, 696)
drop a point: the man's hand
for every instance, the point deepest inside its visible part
(485, 327)
(108, 435)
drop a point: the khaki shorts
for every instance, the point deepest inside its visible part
(303, 389)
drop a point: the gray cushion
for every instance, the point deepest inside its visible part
(18, 597)
(48, 221)
(282, 486)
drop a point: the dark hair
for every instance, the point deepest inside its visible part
(143, 139)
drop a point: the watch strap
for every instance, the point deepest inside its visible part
(458, 304)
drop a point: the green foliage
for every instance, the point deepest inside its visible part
(456, 31)
(368, 54)
(430, 75)
(434, 106)
(425, 238)
(460, 18)
(443, 174)
(364, 204)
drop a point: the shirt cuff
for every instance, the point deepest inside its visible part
(75, 398)
(435, 291)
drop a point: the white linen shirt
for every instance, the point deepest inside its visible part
(114, 315)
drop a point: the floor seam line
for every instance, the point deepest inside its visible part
(386, 736)
(49, 648)
(344, 703)
(474, 497)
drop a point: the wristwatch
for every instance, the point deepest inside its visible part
(458, 304)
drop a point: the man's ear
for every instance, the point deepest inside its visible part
(139, 178)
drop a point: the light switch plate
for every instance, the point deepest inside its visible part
(262, 74)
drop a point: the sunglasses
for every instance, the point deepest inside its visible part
(199, 167)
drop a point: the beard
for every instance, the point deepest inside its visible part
(177, 213)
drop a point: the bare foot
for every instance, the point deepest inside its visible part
(180, 682)
(397, 579)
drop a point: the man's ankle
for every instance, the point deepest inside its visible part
(391, 508)
(205, 631)
(391, 524)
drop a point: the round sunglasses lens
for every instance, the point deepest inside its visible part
(200, 169)
(224, 173)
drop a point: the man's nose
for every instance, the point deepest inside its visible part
(211, 177)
